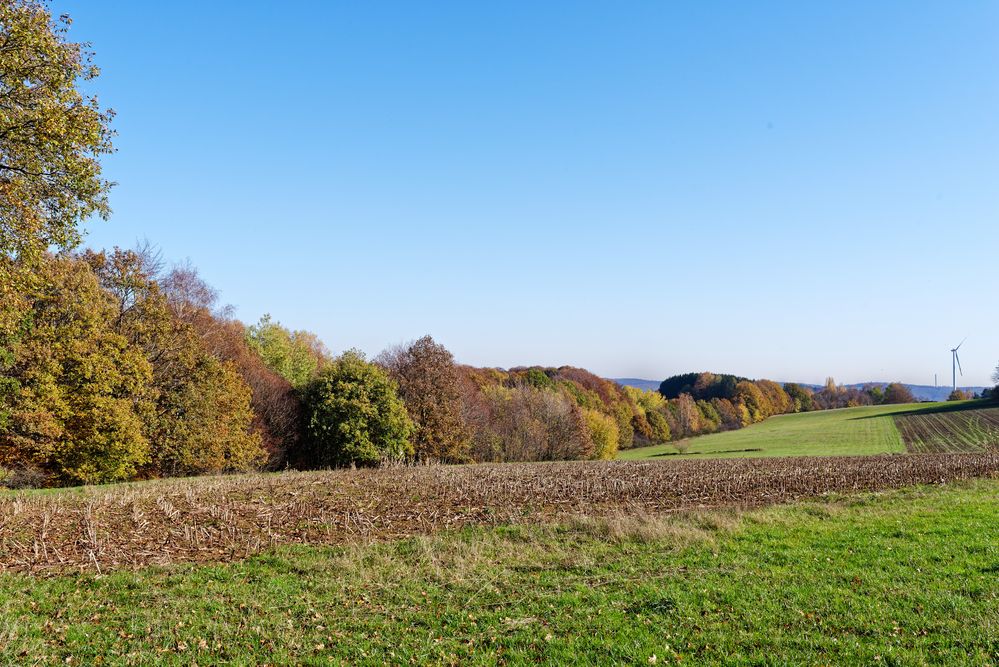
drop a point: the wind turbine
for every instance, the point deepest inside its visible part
(955, 362)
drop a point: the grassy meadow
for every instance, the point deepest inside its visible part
(844, 432)
(902, 577)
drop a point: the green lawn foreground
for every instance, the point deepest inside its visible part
(907, 577)
(848, 431)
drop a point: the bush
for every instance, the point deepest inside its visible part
(21, 476)
(354, 415)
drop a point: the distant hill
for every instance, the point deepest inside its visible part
(638, 383)
(922, 392)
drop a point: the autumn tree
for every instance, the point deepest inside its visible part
(202, 422)
(897, 392)
(427, 378)
(688, 416)
(730, 414)
(603, 432)
(354, 415)
(81, 397)
(529, 424)
(959, 395)
(754, 400)
(51, 134)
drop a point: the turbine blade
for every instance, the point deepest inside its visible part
(959, 364)
(960, 344)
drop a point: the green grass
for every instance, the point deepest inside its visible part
(850, 431)
(902, 578)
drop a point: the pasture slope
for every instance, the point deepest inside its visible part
(844, 432)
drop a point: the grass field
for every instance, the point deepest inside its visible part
(898, 578)
(850, 431)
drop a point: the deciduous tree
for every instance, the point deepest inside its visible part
(51, 134)
(428, 385)
(77, 413)
(897, 392)
(354, 415)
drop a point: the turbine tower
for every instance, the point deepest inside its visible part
(955, 363)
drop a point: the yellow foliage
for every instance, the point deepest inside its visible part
(604, 433)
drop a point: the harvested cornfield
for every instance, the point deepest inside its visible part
(223, 518)
(954, 430)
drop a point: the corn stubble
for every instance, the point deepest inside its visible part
(99, 529)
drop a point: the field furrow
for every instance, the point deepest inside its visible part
(950, 430)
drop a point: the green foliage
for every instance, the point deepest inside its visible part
(354, 415)
(700, 386)
(294, 355)
(710, 419)
(660, 426)
(801, 397)
(52, 135)
(538, 379)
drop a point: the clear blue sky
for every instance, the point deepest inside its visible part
(786, 190)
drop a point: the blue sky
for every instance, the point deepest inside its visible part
(785, 190)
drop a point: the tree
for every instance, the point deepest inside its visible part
(295, 355)
(659, 425)
(203, 419)
(603, 433)
(528, 424)
(995, 375)
(428, 385)
(959, 395)
(754, 400)
(204, 425)
(897, 392)
(688, 416)
(51, 135)
(354, 415)
(801, 397)
(82, 389)
(731, 415)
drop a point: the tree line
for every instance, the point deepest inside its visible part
(711, 402)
